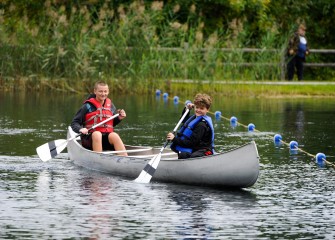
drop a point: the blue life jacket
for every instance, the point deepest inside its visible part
(187, 129)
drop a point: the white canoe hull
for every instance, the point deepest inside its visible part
(238, 168)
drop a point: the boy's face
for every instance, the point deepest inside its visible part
(101, 92)
(200, 110)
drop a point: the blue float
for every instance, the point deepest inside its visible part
(165, 95)
(233, 120)
(277, 138)
(217, 114)
(251, 127)
(176, 99)
(294, 145)
(320, 159)
(158, 92)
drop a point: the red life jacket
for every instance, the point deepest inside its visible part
(100, 114)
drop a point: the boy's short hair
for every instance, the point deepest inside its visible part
(101, 83)
(202, 100)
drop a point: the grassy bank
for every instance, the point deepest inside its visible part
(133, 44)
(136, 47)
(174, 87)
(259, 90)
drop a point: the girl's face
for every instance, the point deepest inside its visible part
(200, 110)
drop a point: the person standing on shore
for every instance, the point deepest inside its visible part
(297, 52)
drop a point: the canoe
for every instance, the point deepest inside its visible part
(237, 168)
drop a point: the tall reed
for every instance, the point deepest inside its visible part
(138, 47)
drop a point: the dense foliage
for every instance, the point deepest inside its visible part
(149, 41)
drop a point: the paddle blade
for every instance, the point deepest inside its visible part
(51, 149)
(149, 169)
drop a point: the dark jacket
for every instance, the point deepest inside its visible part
(201, 137)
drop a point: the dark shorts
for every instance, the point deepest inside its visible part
(198, 153)
(86, 142)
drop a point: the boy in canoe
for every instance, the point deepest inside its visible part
(196, 137)
(97, 108)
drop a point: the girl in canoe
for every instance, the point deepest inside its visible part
(97, 108)
(196, 137)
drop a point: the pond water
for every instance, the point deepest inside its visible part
(293, 197)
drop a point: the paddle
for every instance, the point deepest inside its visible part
(150, 168)
(51, 149)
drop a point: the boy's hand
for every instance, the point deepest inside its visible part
(122, 114)
(170, 136)
(83, 130)
(190, 105)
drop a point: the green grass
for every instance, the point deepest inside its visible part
(174, 88)
(136, 49)
(129, 47)
(257, 90)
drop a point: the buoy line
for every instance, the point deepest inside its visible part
(320, 158)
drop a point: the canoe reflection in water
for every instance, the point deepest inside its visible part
(199, 213)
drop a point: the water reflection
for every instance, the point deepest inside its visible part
(100, 221)
(199, 208)
(293, 197)
(294, 120)
(60, 200)
(191, 206)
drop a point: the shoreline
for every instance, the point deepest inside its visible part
(251, 82)
(238, 88)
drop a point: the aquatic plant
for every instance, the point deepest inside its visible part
(139, 46)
